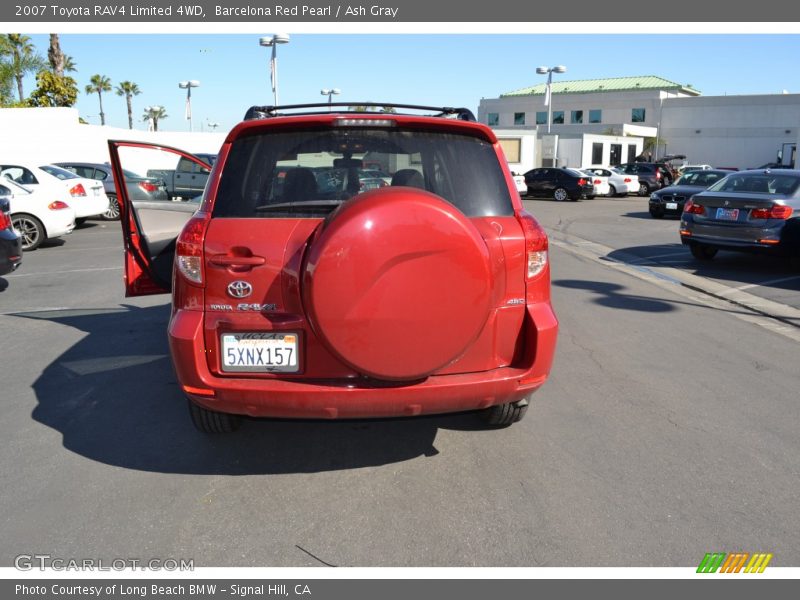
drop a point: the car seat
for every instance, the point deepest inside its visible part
(300, 185)
(409, 177)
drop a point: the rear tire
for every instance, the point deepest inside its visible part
(644, 189)
(612, 191)
(112, 213)
(210, 421)
(503, 415)
(30, 230)
(703, 252)
(560, 194)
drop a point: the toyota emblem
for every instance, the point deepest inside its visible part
(239, 289)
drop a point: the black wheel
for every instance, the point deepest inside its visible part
(612, 191)
(702, 252)
(112, 212)
(590, 197)
(80, 221)
(209, 421)
(503, 415)
(31, 231)
(560, 194)
(644, 189)
(657, 213)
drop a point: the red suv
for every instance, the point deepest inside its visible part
(296, 294)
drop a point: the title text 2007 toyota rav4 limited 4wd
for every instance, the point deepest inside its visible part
(301, 288)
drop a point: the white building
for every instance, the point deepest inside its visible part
(727, 131)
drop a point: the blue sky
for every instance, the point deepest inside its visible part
(432, 69)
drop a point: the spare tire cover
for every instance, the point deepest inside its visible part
(397, 283)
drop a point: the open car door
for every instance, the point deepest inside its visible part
(151, 222)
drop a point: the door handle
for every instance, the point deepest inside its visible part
(226, 260)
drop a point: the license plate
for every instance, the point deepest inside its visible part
(260, 351)
(672, 205)
(727, 214)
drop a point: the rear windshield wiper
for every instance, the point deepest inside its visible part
(289, 206)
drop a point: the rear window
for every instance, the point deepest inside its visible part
(699, 178)
(309, 173)
(757, 183)
(62, 174)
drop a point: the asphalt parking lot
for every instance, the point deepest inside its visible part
(669, 428)
(622, 230)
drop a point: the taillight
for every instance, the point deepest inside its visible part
(57, 205)
(147, 186)
(658, 174)
(627, 180)
(582, 182)
(5, 221)
(776, 211)
(597, 182)
(189, 248)
(693, 208)
(77, 190)
(535, 244)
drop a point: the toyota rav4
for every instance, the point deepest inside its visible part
(299, 293)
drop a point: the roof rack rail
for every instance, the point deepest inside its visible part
(267, 112)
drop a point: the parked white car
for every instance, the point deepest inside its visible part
(684, 168)
(37, 215)
(600, 182)
(86, 196)
(622, 184)
(519, 181)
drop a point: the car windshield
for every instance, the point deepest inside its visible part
(308, 173)
(58, 172)
(757, 183)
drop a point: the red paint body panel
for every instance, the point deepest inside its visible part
(356, 398)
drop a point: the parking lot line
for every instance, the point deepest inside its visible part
(763, 283)
(39, 274)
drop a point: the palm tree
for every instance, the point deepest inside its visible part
(56, 56)
(129, 90)
(70, 66)
(153, 114)
(24, 58)
(100, 84)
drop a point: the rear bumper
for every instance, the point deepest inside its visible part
(89, 206)
(10, 251)
(358, 398)
(771, 239)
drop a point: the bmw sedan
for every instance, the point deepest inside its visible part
(670, 200)
(560, 184)
(747, 211)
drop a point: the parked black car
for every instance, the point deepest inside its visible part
(652, 176)
(139, 187)
(10, 242)
(561, 184)
(747, 211)
(670, 200)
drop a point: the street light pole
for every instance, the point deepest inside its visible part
(272, 42)
(330, 93)
(188, 85)
(548, 100)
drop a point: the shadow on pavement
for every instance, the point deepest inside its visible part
(612, 295)
(732, 267)
(114, 398)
